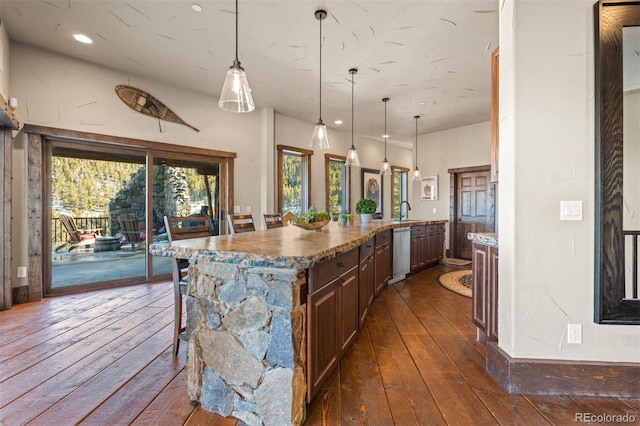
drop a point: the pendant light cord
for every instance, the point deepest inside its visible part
(320, 85)
(386, 136)
(352, 145)
(236, 30)
(416, 117)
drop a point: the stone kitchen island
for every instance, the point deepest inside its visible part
(255, 303)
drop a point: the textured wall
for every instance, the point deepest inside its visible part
(4, 62)
(547, 155)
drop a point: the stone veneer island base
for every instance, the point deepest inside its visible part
(246, 316)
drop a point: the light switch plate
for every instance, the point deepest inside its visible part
(236, 209)
(570, 210)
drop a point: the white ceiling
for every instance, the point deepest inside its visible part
(430, 57)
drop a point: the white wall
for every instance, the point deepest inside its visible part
(4, 62)
(440, 151)
(547, 154)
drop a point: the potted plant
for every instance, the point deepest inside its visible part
(343, 218)
(350, 218)
(365, 207)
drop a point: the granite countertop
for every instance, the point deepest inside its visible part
(485, 238)
(287, 247)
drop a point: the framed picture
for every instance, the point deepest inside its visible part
(429, 188)
(372, 187)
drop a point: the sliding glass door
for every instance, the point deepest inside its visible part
(106, 204)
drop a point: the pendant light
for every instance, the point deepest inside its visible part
(319, 139)
(352, 155)
(236, 93)
(416, 172)
(385, 168)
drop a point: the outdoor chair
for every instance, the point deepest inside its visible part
(273, 220)
(182, 228)
(130, 230)
(239, 223)
(77, 237)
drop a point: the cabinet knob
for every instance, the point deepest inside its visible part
(340, 264)
(340, 282)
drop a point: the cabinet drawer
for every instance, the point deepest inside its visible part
(418, 229)
(366, 249)
(323, 273)
(431, 229)
(383, 237)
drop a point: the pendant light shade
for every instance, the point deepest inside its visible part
(416, 177)
(385, 168)
(352, 155)
(319, 139)
(236, 93)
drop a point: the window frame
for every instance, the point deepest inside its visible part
(403, 185)
(346, 180)
(306, 177)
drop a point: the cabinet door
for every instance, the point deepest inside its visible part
(417, 243)
(480, 297)
(383, 266)
(348, 319)
(492, 287)
(367, 284)
(323, 351)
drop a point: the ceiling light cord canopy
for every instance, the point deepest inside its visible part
(319, 139)
(236, 93)
(416, 177)
(352, 155)
(385, 168)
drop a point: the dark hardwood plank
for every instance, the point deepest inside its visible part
(132, 398)
(362, 389)
(73, 367)
(559, 410)
(633, 403)
(409, 397)
(170, 406)
(200, 417)
(37, 346)
(63, 317)
(471, 366)
(607, 406)
(326, 408)
(75, 406)
(438, 371)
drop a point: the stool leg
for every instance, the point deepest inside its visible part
(177, 317)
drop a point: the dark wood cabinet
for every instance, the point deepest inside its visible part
(426, 245)
(367, 278)
(333, 319)
(383, 260)
(485, 290)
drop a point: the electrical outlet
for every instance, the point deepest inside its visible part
(574, 333)
(236, 209)
(22, 272)
(248, 209)
(434, 210)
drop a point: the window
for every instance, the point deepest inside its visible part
(398, 189)
(337, 183)
(294, 175)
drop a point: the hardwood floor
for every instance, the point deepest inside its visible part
(104, 358)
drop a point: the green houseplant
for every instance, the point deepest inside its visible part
(365, 207)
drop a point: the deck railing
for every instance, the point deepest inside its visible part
(59, 235)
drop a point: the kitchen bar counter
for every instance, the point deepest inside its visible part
(247, 315)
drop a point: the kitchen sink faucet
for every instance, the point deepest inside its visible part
(406, 216)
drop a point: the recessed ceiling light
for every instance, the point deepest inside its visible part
(196, 7)
(338, 121)
(82, 38)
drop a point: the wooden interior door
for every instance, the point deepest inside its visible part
(474, 207)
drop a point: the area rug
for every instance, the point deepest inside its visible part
(455, 262)
(457, 281)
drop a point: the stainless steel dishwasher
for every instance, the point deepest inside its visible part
(401, 253)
